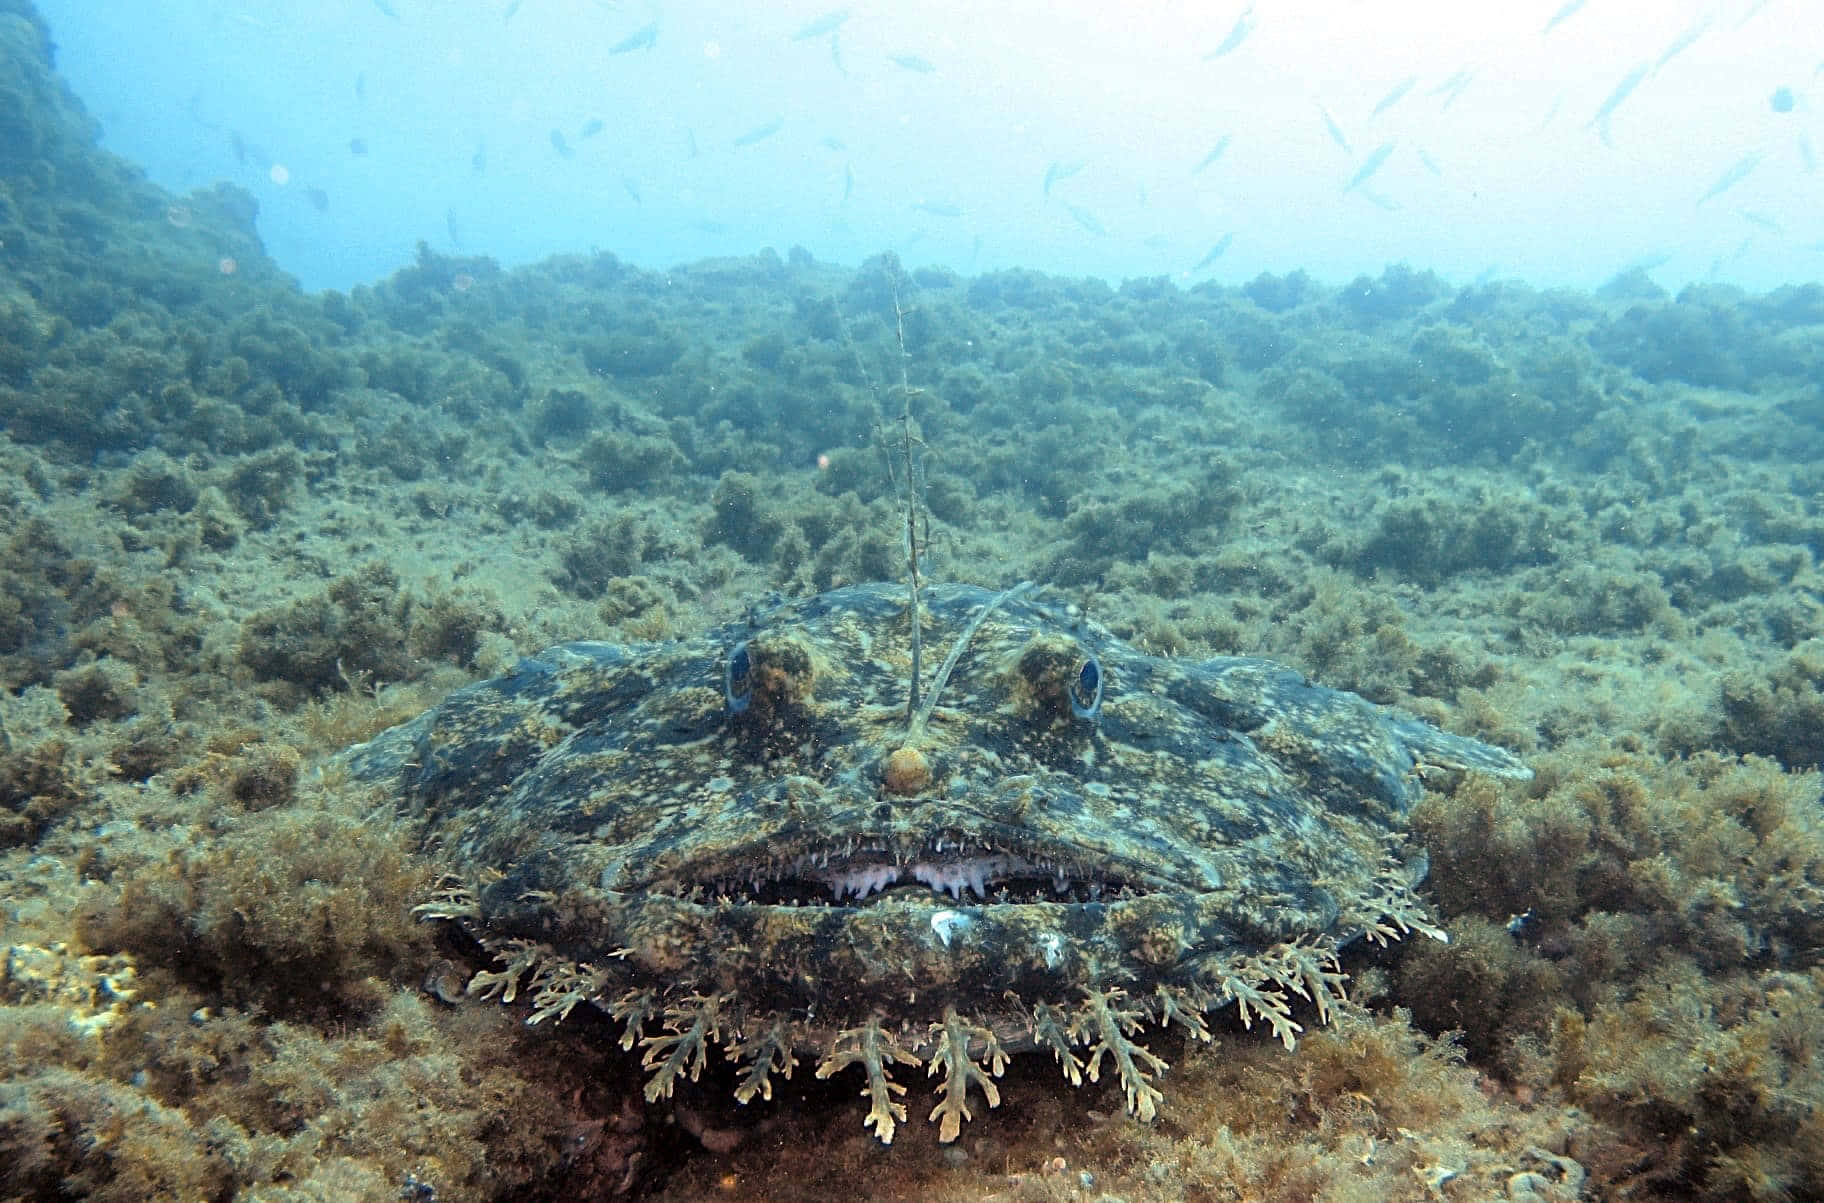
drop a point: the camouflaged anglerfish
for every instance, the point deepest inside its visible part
(749, 841)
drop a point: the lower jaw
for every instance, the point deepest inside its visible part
(888, 952)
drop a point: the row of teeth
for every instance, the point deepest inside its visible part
(949, 877)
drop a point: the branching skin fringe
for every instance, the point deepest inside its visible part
(517, 958)
(451, 900)
(959, 1051)
(873, 1048)
(1051, 1030)
(633, 1009)
(767, 1053)
(560, 986)
(950, 1058)
(1252, 1001)
(1185, 1008)
(691, 1028)
(1313, 973)
(1106, 1025)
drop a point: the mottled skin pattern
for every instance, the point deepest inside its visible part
(677, 833)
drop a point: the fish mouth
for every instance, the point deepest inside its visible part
(958, 869)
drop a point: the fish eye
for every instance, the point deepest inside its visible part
(1086, 691)
(769, 676)
(1059, 680)
(738, 679)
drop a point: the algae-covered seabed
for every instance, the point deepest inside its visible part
(244, 527)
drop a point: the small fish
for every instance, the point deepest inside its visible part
(937, 209)
(1431, 164)
(1059, 171)
(357, 146)
(816, 27)
(590, 129)
(1336, 131)
(1086, 219)
(1565, 12)
(848, 183)
(643, 38)
(836, 54)
(912, 62)
(1782, 100)
(1681, 43)
(690, 142)
(1624, 89)
(560, 145)
(761, 133)
(1806, 154)
(1736, 173)
(1373, 163)
(1394, 97)
(478, 162)
(633, 188)
(238, 145)
(1455, 84)
(1222, 244)
(387, 9)
(450, 227)
(319, 199)
(832, 142)
(1208, 160)
(1238, 33)
(1551, 114)
(1763, 221)
(512, 11)
(1452, 88)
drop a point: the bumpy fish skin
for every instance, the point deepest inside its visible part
(735, 841)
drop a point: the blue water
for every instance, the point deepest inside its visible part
(1557, 141)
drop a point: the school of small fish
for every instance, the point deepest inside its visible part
(1073, 195)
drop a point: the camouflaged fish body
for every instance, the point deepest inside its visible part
(742, 843)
